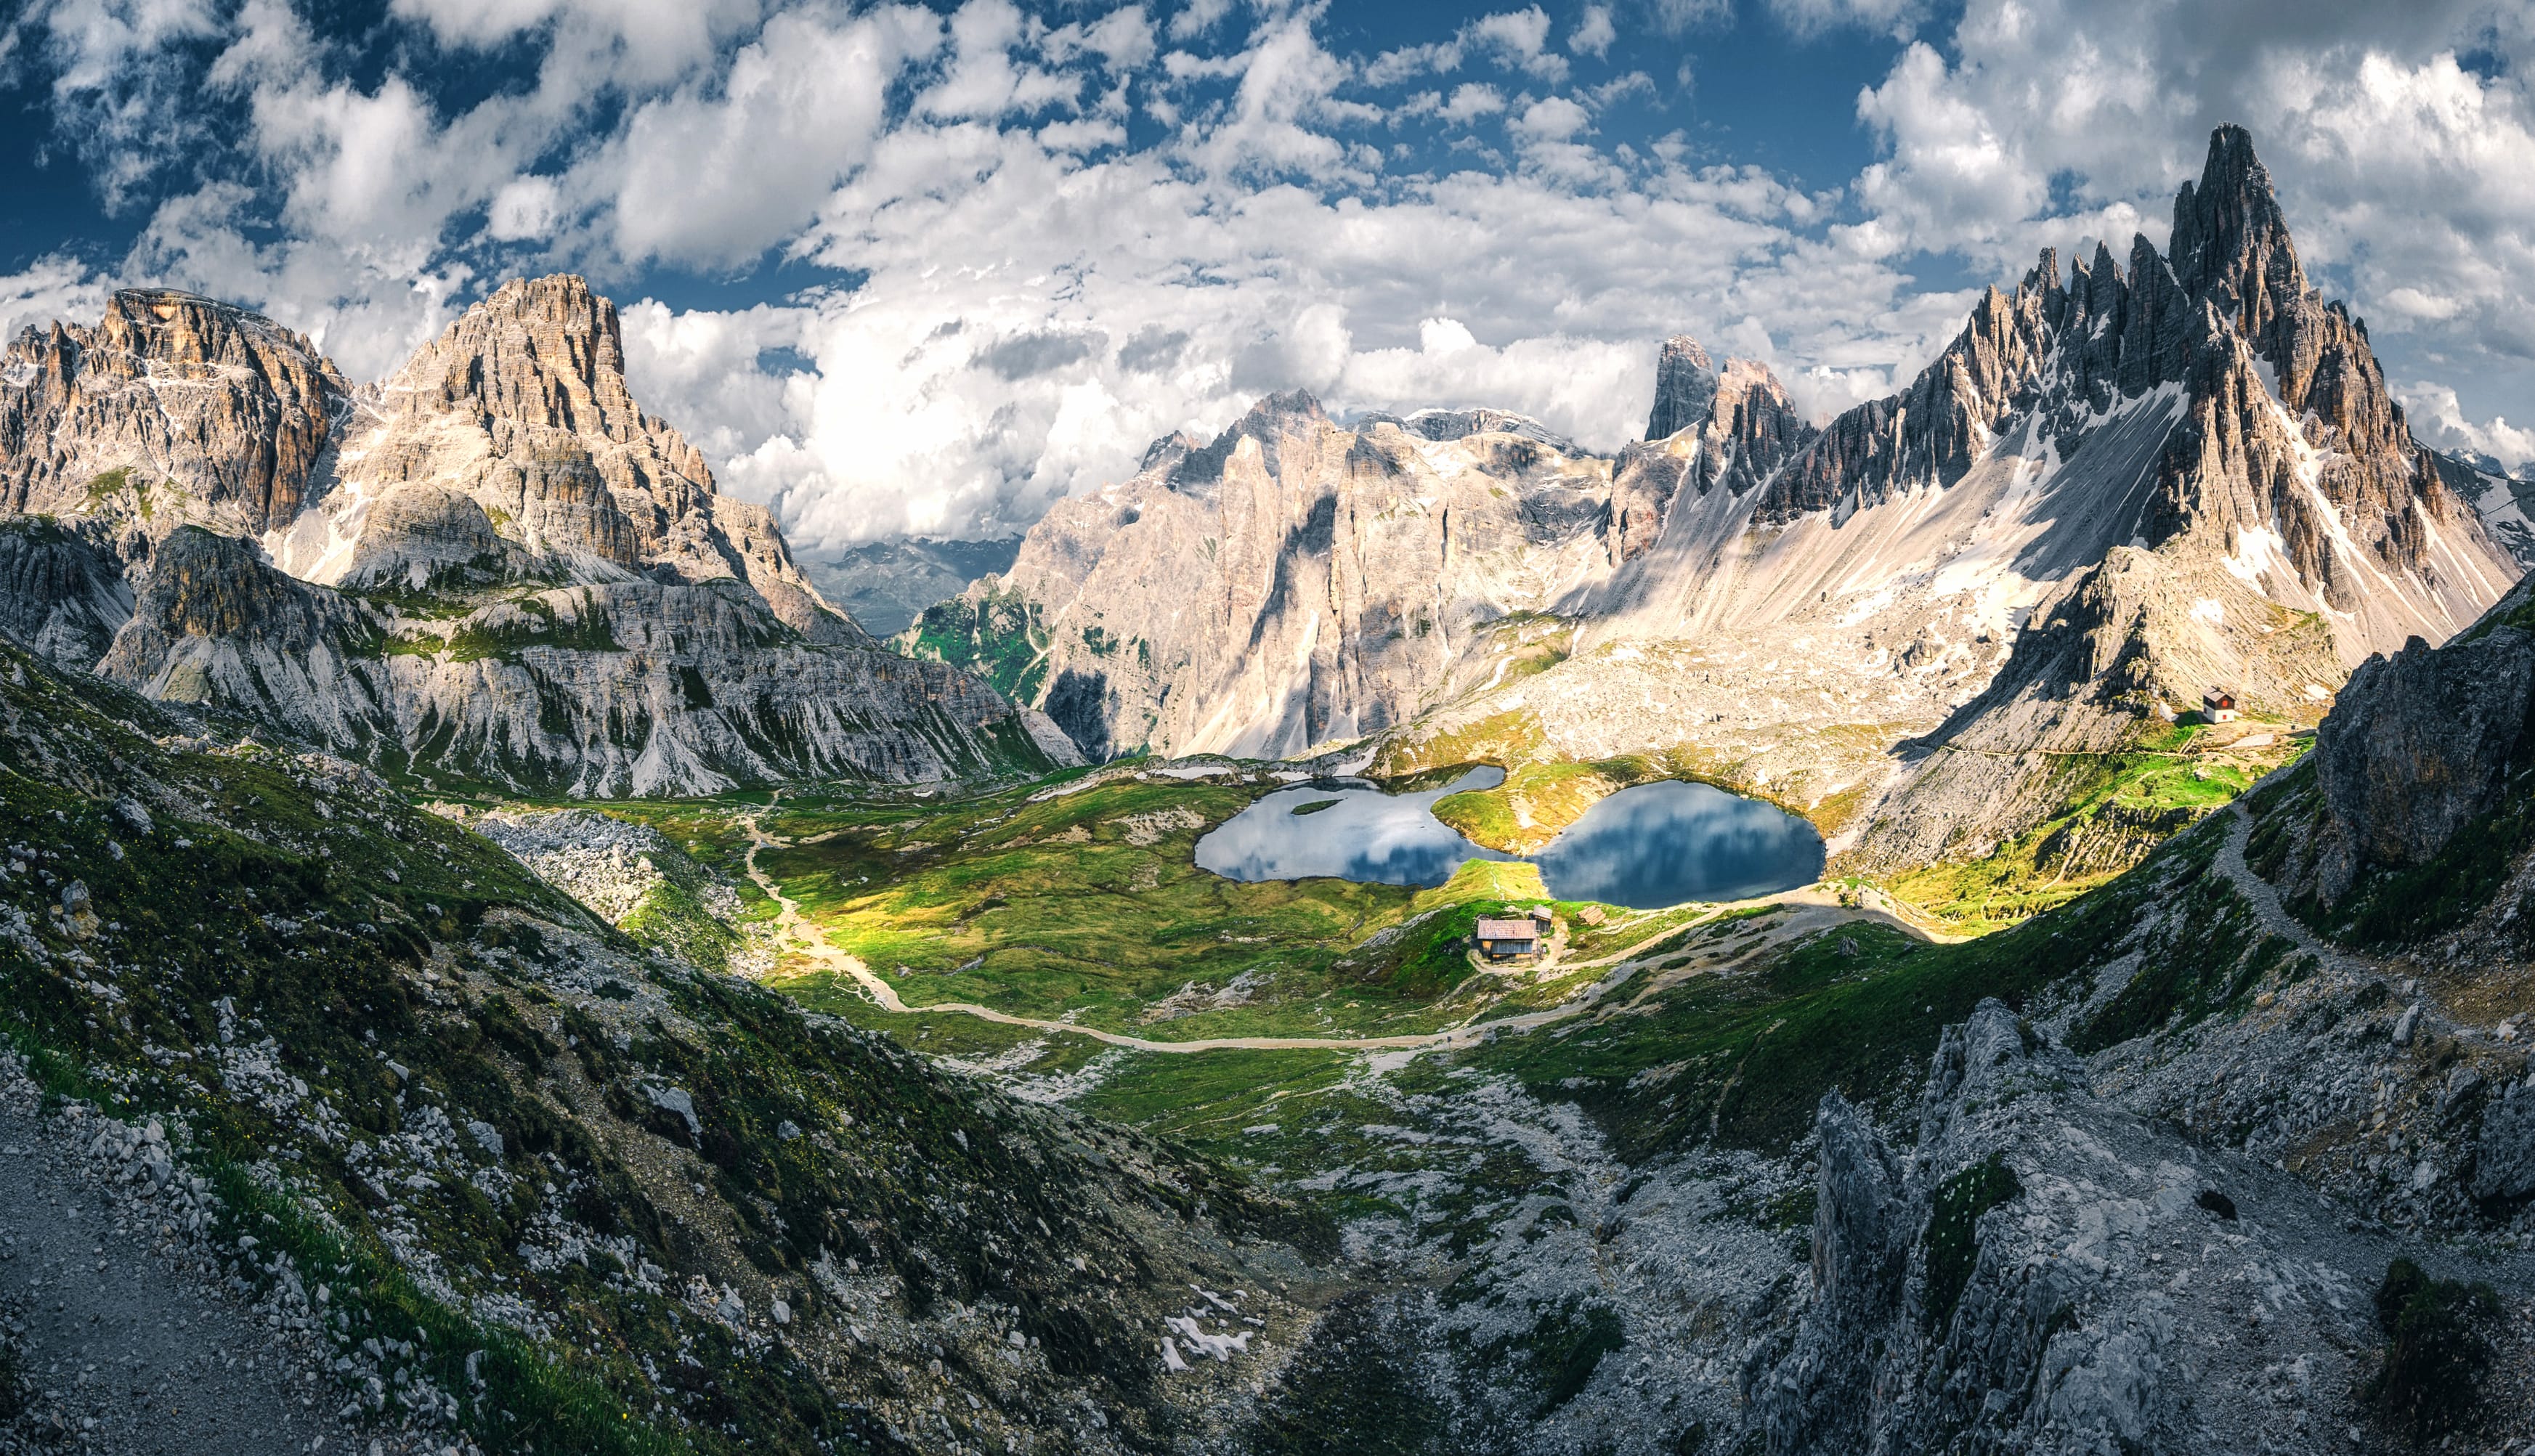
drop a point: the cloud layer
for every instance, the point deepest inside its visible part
(1026, 244)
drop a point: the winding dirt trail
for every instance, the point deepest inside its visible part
(2265, 899)
(804, 936)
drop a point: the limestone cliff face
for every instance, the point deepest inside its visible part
(2425, 744)
(2292, 524)
(2119, 485)
(2050, 1272)
(208, 412)
(492, 566)
(1288, 583)
(61, 593)
(1684, 387)
(512, 444)
(624, 688)
(2290, 461)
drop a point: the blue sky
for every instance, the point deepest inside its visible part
(900, 269)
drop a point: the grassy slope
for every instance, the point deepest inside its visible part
(1737, 1059)
(1055, 908)
(247, 905)
(2115, 810)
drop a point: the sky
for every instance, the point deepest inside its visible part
(910, 269)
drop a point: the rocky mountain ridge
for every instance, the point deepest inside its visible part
(2118, 486)
(491, 567)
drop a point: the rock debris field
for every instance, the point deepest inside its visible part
(117, 1334)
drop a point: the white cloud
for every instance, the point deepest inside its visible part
(1124, 38)
(2403, 173)
(48, 289)
(118, 79)
(714, 175)
(1520, 40)
(1039, 294)
(1471, 101)
(2439, 419)
(642, 41)
(528, 208)
(1593, 32)
(1551, 119)
(1811, 17)
(1677, 16)
(1198, 16)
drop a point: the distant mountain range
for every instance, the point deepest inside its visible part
(2124, 483)
(884, 585)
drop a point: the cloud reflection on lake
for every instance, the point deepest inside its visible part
(1657, 845)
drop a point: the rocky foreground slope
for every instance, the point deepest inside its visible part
(492, 1172)
(2140, 1175)
(492, 567)
(462, 1164)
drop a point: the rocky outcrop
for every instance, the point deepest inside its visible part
(493, 566)
(1288, 583)
(181, 406)
(2134, 640)
(520, 411)
(2286, 504)
(2424, 744)
(61, 595)
(1684, 387)
(1752, 429)
(2053, 1273)
(1863, 1222)
(627, 688)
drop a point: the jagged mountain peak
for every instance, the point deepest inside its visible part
(1268, 421)
(1684, 387)
(2231, 239)
(90, 423)
(545, 352)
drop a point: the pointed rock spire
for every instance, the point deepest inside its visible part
(2231, 246)
(1684, 387)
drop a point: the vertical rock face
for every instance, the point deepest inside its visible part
(1684, 387)
(207, 411)
(1287, 584)
(61, 595)
(2120, 483)
(521, 410)
(2288, 496)
(1750, 430)
(2422, 745)
(588, 615)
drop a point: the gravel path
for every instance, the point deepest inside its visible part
(125, 1342)
(2265, 899)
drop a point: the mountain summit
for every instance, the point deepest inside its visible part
(493, 565)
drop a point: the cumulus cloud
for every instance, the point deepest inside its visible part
(1515, 39)
(2402, 170)
(1034, 247)
(2439, 419)
(119, 74)
(1593, 32)
(1811, 17)
(50, 288)
(720, 171)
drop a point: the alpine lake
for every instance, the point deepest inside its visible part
(1647, 847)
